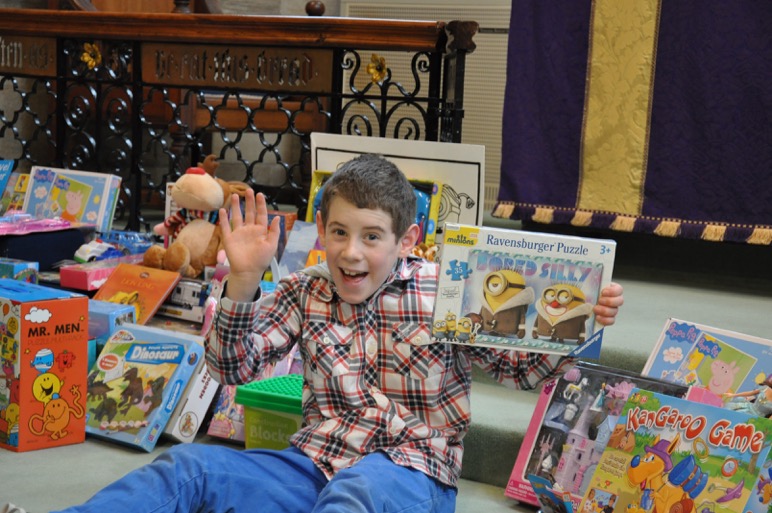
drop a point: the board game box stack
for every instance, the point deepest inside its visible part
(521, 290)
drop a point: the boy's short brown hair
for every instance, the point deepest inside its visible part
(370, 181)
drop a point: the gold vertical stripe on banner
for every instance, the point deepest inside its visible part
(620, 78)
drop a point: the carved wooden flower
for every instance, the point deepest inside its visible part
(377, 68)
(91, 55)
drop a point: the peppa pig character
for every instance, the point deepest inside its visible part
(723, 375)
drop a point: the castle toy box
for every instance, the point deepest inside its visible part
(76, 196)
(572, 423)
(521, 290)
(43, 366)
(192, 410)
(20, 270)
(137, 381)
(683, 457)
(716, 363)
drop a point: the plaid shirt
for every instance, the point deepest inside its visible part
(373, 380)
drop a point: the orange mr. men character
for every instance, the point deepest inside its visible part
(56, 415)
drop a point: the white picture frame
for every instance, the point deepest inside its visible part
(460, 168)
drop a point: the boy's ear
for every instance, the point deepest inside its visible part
(320, 227)
(409, 240)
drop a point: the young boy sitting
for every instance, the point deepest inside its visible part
(385, 409)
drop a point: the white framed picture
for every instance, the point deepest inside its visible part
(460, 168)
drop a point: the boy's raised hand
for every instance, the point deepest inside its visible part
(249, 242)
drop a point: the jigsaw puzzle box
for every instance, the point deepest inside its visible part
(137, 381)
(43, 366)
(683, 457)
(519, 290)
(571, 425)
(713, 361)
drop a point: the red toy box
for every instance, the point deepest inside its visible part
(43, 370)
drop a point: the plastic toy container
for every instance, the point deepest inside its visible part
(272, 410)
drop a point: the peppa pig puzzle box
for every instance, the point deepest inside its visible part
(43, 367)
(712, 361)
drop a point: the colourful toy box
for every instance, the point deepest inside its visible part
(20, 270)
(272, 410)
(188, 417)
(92, 275)
(43, 369)
(104, 318)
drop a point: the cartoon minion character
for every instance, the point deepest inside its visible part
(450, 325)
(505, 303)
(440, 330)
(464, 330)
(562, 313)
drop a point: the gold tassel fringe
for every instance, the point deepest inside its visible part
(714, 232)
(668, 228)
(582, 218)
(760, 236)
(623, 224)
(503, 210)
(543, 215)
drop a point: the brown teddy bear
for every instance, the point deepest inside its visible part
(197, 237)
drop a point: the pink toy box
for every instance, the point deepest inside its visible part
(572, 424)
(90, 276)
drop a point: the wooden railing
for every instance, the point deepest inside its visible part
(145, 95)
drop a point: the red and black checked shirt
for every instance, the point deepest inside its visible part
(373, 379)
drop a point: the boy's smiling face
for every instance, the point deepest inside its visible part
(361, 248)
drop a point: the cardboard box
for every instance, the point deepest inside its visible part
(92, 275)
(193, 407)
(44, 365)
(20, 270)
(104, 319)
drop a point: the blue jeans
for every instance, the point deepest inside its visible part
(208, 478)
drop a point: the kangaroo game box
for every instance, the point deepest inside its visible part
(520, 290)
(683, 457)
(137, 382)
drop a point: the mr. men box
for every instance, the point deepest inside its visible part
(43, 367)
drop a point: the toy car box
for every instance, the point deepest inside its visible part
(20, 270)
(272, 410)
(43, 369)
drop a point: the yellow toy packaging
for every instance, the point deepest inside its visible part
(43, 366)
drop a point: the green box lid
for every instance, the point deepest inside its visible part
(281, 393)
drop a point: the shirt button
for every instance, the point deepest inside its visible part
(327, 340)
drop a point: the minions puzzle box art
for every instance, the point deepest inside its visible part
(521, 290)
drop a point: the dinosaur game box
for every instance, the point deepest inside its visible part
(572, 424)
(137, 381)
(43, 366)
(683, 457)
(521, 290)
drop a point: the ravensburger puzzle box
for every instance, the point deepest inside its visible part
(521, 290)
